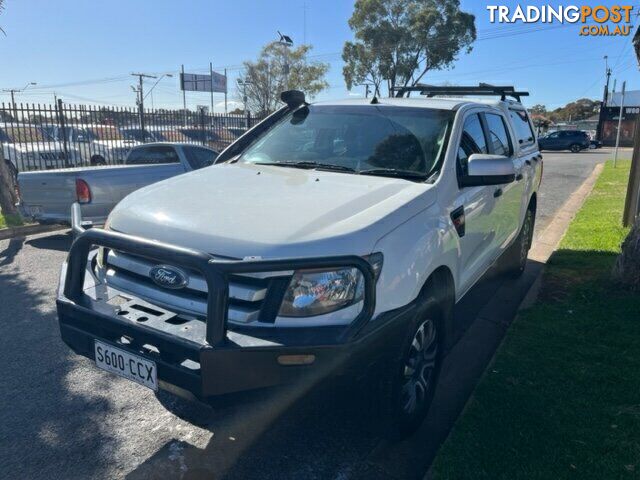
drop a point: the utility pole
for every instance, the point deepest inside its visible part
(184, 97)
(605, 99)
(13, 92)
(211, 85)
(226, 87)
(140, 101)
(615, 156)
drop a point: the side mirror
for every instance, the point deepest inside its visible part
(484, 169)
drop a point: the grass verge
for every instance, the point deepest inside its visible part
(562, 398)
(10, 221)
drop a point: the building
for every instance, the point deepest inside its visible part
(611, 115)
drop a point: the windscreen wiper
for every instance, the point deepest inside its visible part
(394, 172)
(309, 166)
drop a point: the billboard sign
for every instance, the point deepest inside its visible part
(193, 82)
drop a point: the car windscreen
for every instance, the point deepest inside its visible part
(358, 137)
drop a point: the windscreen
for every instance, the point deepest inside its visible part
(361, 137)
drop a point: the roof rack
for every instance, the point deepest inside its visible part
(483, 89)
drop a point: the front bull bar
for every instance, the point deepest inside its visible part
(215, 272)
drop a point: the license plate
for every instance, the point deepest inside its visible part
(123, 363)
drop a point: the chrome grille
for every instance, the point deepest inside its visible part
(131, 274)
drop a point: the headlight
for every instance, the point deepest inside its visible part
(316, 292)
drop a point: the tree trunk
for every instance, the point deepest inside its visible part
(627, 268)
(8, 197)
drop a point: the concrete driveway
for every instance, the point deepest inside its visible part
(60, 417)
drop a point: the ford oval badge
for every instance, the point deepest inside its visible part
(168, 277)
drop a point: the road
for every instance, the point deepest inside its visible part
(60, 417)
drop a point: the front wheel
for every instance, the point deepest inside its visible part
(575, 148)
(98, 160)
(409, 382)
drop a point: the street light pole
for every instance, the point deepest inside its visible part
(150, 92)
(243, 84)
(287, 42)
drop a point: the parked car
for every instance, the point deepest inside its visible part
(137, 135)
(96, 144)
(218, 138)
(574, 140)
(47, 197)
(593, 144)
(28, 147)
(331, 239)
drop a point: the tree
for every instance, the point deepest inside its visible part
(266, 78)
(579, 110)
(538, 109)
(399, 41)
(7, 187)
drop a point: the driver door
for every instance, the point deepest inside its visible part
(478, 205)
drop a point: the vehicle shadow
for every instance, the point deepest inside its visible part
(321, 431)
(34, 360)
(60, 242)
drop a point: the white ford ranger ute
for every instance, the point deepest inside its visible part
(331, 238)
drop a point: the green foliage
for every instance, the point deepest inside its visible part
(10, 221)
(579, 110)
(268, 79)
(399, 41)
(561, 398)
(538, 109)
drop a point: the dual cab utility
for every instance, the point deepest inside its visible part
(47, 196)
(330, 238)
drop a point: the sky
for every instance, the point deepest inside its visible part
(84, 51)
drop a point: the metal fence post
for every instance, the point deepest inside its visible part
(63, 129)
(201, 121)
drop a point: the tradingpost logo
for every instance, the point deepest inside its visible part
(597, 21)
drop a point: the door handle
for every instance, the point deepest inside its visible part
(497, 193)
(518, 177)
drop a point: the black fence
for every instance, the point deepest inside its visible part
(39, 137)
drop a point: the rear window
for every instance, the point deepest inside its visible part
(152, 155)
(524, 132)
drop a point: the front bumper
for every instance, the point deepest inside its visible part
(201, 357)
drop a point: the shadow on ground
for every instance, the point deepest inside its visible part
(36, 361)
(60, 242)
(319, 433)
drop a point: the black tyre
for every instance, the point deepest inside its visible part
(409, 381)
(516, 256)
(575, 148)
(98, 160)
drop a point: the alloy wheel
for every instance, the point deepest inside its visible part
(418, 370)
(525, 243)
